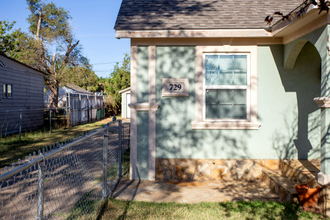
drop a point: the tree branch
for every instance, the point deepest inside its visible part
(39, 24)
(68, 51)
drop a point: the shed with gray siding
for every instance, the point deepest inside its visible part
(21, 89)
(125, 100)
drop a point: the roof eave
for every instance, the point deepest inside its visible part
(202, 33)
(292, 29)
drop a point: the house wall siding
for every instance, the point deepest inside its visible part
(286, 110)
(142, 145)
(27, 94)
(142, 74)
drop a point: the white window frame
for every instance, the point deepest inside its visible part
(246, 87)
(5, 94)
(200, 123)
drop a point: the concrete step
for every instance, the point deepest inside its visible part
(282, 186)
(301, 171)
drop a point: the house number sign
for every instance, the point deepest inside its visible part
(175, 87)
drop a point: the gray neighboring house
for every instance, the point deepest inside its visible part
(63, 90)
(21, 88)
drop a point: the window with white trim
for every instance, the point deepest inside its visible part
(226, 88)
(7, 90)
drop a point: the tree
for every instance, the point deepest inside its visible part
(84, 77)
(55, 49)
(10, 42)
(119, 80)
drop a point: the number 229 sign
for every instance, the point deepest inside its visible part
(175, 87)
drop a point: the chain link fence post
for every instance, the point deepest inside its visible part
(40, 211)
(105, 164)
(20, 126)
(119, 147)
(68, 110)
(50, 121)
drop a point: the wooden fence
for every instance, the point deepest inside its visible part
(84, 108)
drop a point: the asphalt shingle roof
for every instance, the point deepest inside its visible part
(77, 88)
(198, 14)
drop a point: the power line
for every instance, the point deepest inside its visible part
(106, 63)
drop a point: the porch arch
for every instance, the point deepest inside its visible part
(292, 55)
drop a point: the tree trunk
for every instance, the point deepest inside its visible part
(54, 92)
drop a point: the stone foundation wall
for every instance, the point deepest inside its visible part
(201, 169)
(324, 200)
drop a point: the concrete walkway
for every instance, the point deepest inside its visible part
(193, 191)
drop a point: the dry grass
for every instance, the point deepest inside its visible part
(11, 150)
(116, 209)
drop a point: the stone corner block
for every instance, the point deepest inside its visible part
(323, 179)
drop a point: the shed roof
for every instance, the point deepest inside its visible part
(16, 61)
(198, 14)
(124, 90)
(77, 88)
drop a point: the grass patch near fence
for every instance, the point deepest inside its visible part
(118, 209)
(87, 207)
(32, 141)
(112, 172)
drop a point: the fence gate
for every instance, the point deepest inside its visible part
(84, 108)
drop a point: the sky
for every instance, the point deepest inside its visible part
(92, 23)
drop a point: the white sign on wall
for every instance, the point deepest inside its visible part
(175, 87)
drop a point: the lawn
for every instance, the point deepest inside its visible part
(117, 209)
(32, 141)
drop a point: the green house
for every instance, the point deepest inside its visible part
(218, 93)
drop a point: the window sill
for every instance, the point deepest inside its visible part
(217, 125)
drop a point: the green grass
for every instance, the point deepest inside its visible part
(32, 141)
(113, 170)
(86, 208)
(118, 209)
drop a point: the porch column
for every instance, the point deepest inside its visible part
(133, 151)
(324, 103)
(143, 109)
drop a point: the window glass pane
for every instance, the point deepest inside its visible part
(226, 63)
(211, 62)
(211, 69)
(226, 69)
(212, 111)
(225, 79)
(4, 90)
(9, 91)
(240, 73)
(240, 63)
(225, 111)
(225, 103)
(240, 79)
(239, 96)
(225, 96)
(212, 96)
(239, 111)
(211, 77)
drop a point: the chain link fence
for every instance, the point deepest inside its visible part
(18, 121)
(68, 180)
